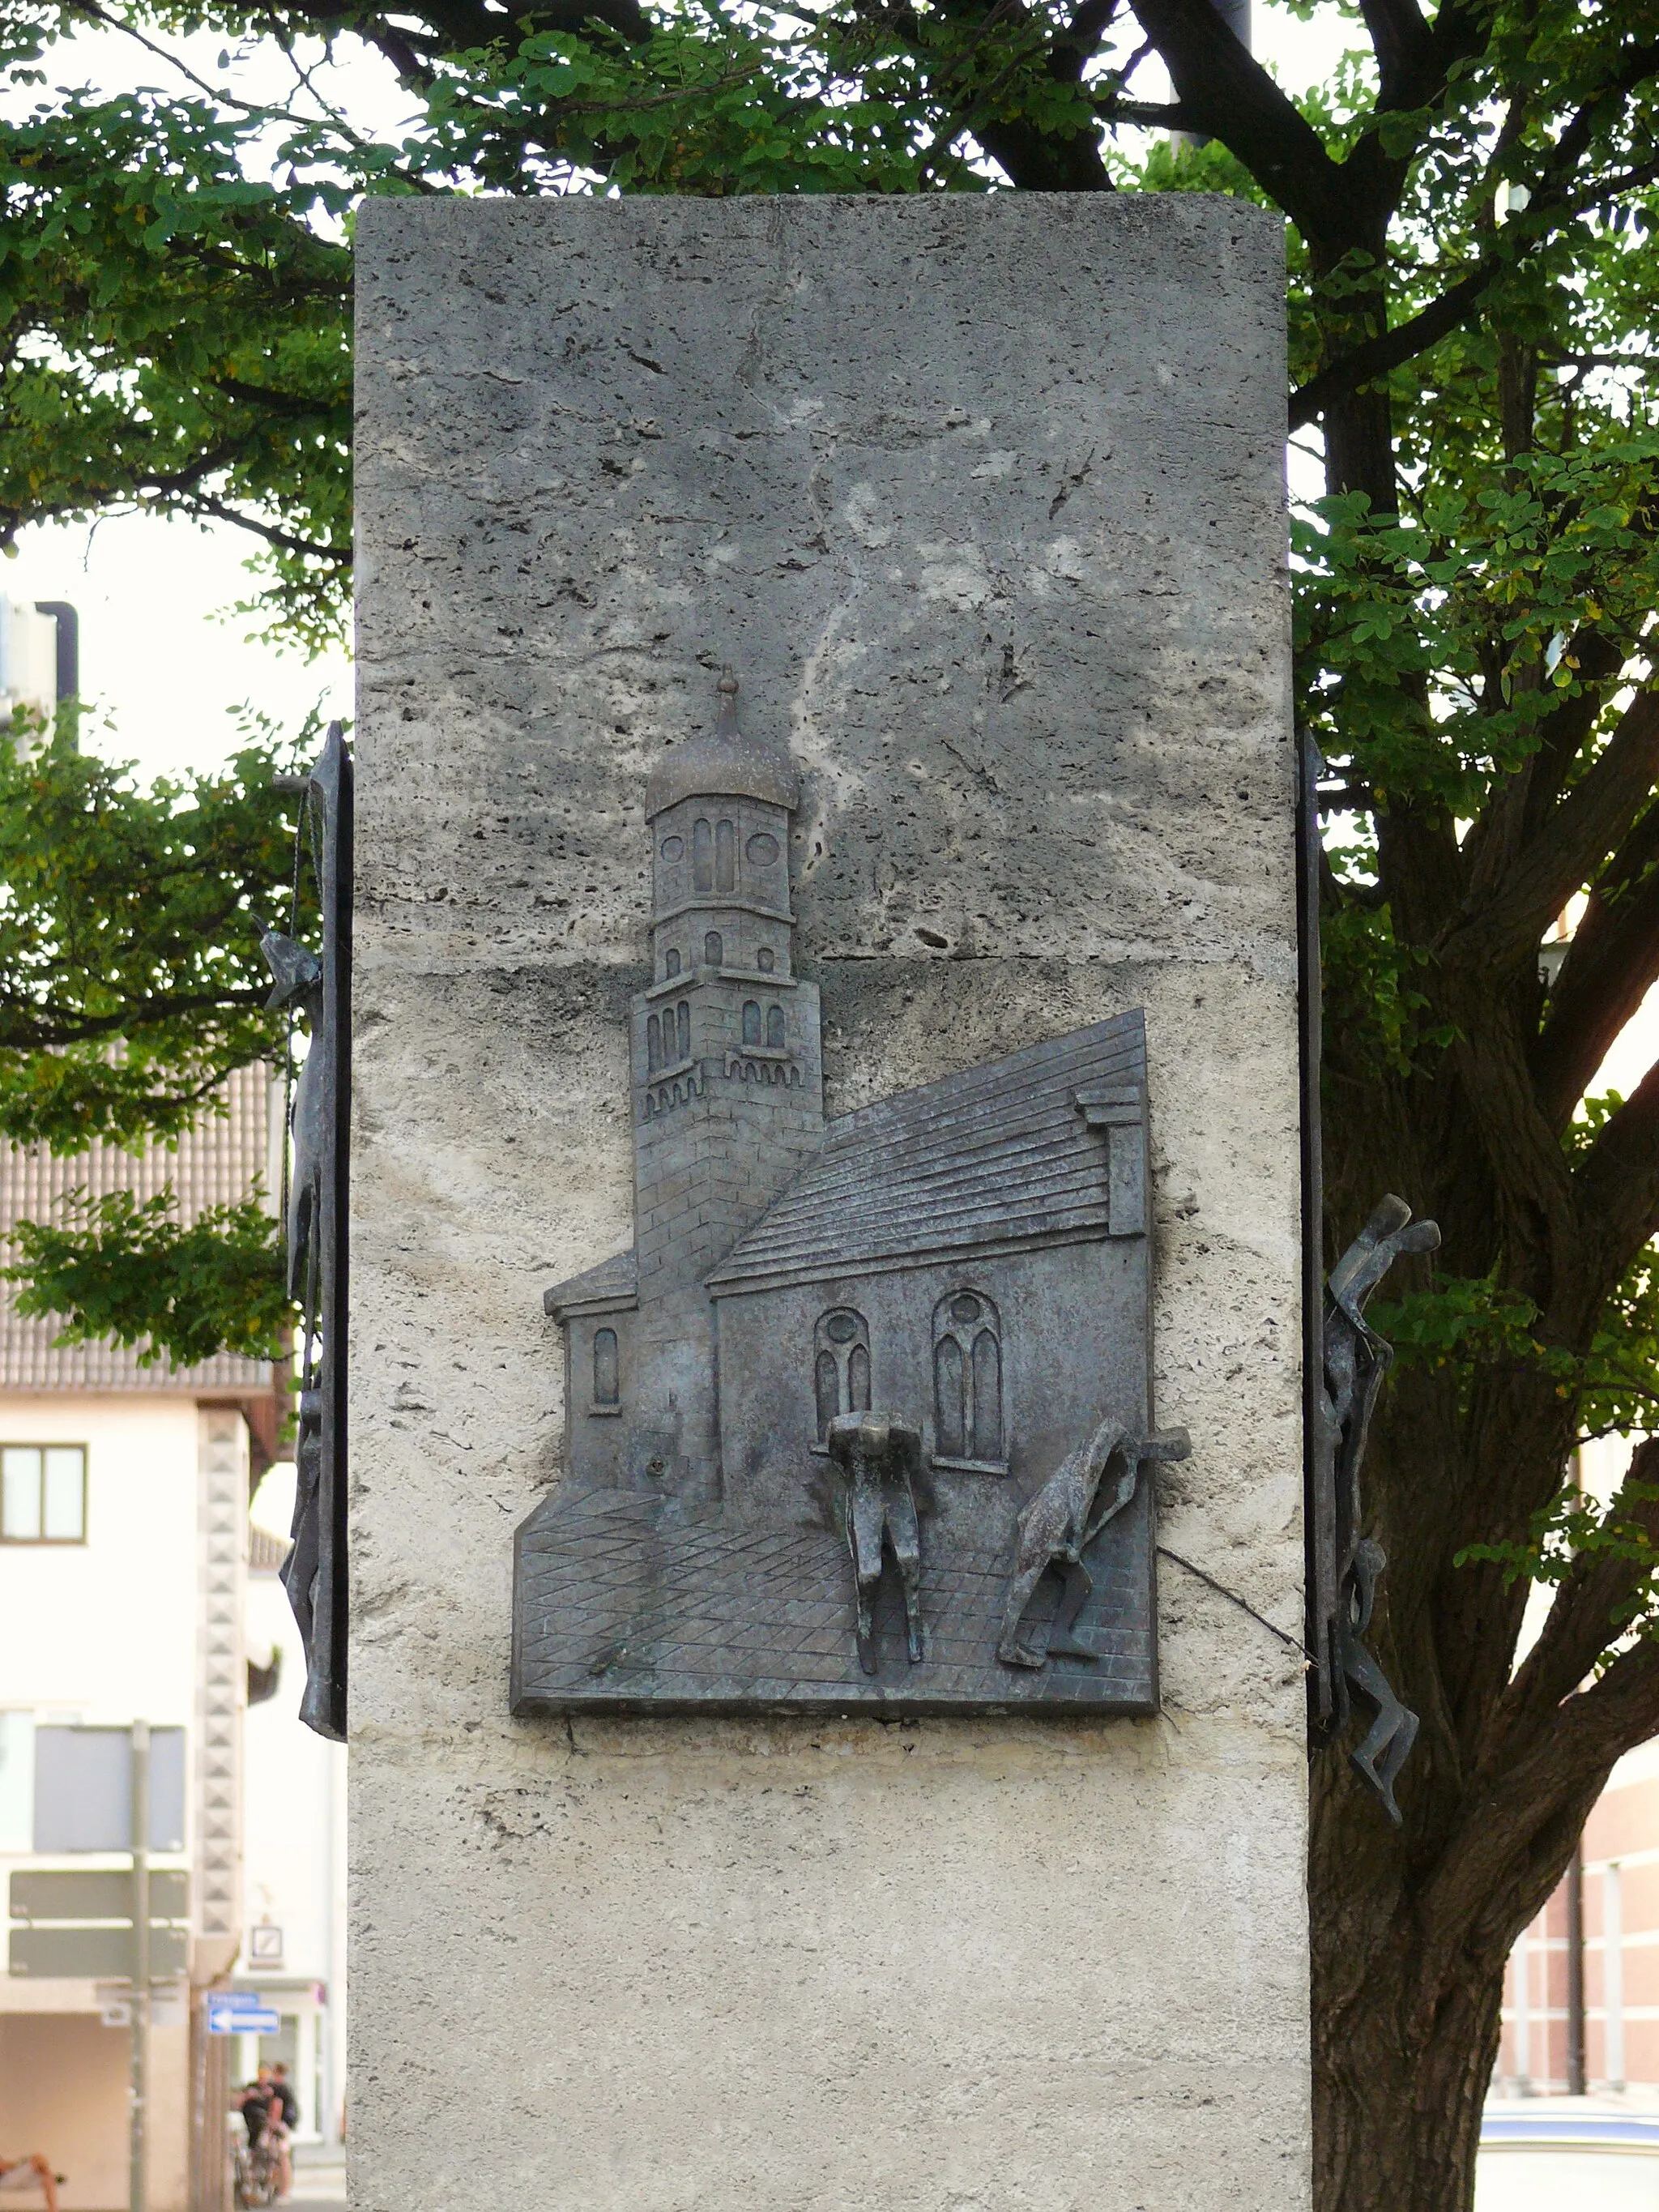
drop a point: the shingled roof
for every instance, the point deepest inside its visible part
(216, 1164)
(614, 1284)
(1000, 1155)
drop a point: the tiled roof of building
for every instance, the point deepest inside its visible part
(216, 1164)
(998, 1155)
(615, 1282)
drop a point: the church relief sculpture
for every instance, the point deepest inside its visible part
(862, 1415)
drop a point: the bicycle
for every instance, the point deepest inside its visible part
(254, 2174)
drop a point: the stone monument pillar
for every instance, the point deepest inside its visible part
(825, 1124)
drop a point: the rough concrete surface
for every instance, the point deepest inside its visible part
(983, 499)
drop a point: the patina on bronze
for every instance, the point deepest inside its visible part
(318, 989)
(737, 1526)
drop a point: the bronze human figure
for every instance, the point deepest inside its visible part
(1057, 1525)
(1356, 1359)
(880, 1459)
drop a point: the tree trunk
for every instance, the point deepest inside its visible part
(1397, 2119)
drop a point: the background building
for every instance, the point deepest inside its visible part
(125, 1593)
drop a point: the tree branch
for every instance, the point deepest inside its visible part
(1229, 96)
(1504, 932)
(1617, 1182)
(1609, 967)
(1583, 1620)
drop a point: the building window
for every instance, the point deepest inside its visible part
(766, 960)
(763, 849)
(43, 1494)
(713, 948)
(682, 1027)
(968, 1410)
(840, 1367)
(775, 1027)
(671, 963)
(654, 1043)
(751, 1021)
(607, 1369)
(725, 858)
(702, 857)
(673, 848)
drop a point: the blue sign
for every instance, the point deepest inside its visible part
(236, 2014)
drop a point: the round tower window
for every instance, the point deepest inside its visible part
(842, 1328)
(673, 848)
(763, 849)
(964, 1309)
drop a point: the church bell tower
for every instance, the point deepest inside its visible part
(728, 1077)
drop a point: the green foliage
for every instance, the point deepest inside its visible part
(175, 326)
(130, 978)
(130, 1270)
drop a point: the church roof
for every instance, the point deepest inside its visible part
(724, 762)
(615, 1283)
(1000, 1155)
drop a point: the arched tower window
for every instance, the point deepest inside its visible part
(713, 948)
(653, 1043)
(775, 1027)
(766, 960)
(969, 1424)
(841, 1366)
(725, 858)
(702, 857)
(682, 1025)
(607, 1369)
(671, 963)
(751, 1021)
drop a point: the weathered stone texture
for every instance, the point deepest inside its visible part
(983, 500)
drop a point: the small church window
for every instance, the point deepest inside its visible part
(702, 856)
(775, 1027)
(683, 1024)
(673, 848)
(671, 964)
(763, 849)
(751, 1021)
(725, 858)
(841, 1366)
(713, 948)
(766, 960)
(653, 1043)
(607, 1370)
(969, 1420)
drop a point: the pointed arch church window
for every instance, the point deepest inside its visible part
(775, 1027)
(713, 948)
(702, 856)
(841, 1366)
(682, 1025)
(969, 1419)
(725, 858)
(751, 1021)
(653, 1043)
(671, 963)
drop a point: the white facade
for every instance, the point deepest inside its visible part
(294, 1862)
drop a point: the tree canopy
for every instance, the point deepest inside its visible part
(1471, 297)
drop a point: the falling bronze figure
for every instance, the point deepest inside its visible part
(1356, 1360)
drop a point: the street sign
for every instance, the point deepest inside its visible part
(226, 2018)
(98, 1893)
(83, 1789)
(100, 1955)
